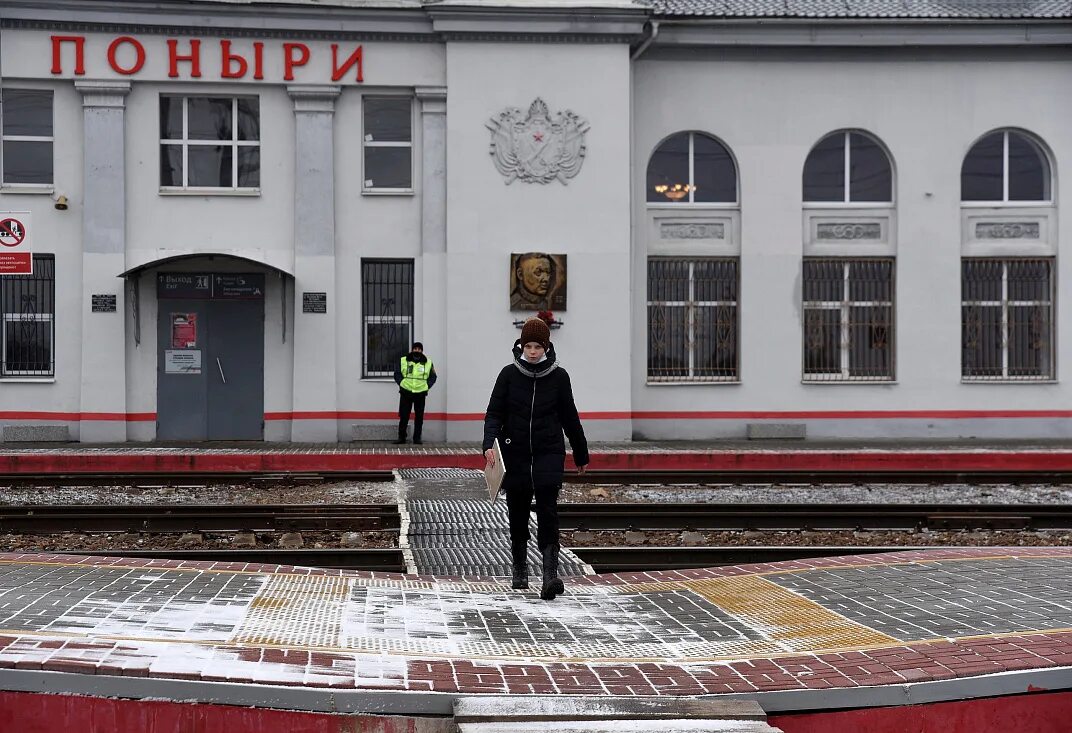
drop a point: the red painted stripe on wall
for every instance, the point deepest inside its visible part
(635, 415)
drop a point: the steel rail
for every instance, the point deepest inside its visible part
(798, 517)
(816, 476)
(185, 478)
(53, 519)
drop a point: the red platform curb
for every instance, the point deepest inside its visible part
(715, 460)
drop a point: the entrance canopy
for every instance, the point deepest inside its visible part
(138, 262)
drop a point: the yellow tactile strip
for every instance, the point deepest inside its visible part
(789, 620)
(296, 610)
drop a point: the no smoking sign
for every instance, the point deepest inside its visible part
(16, 255)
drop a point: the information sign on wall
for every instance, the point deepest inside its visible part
(314, 302)
(182, 361)
(16, 247)
(103, 302)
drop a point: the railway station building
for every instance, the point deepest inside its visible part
(228, 221)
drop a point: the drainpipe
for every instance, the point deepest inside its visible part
(652, 35)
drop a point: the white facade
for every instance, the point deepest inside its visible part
(768, 92)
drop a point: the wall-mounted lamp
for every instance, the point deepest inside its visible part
(61, 201)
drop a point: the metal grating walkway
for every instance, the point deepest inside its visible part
(470, 537)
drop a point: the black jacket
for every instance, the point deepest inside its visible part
(531, 406)
(417, 358)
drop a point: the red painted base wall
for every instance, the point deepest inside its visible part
(25, 712)
(1032, 713)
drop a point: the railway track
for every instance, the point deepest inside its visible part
(810, 477)
(58, 519)
(155, 518)
(190, 478)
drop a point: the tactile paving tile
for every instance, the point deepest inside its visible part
(303, 610)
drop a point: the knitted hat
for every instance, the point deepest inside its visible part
(536, 330)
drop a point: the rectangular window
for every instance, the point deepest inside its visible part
(692, 319)
(848, 320)
(1007, 329)
(388, 130)
(386, 314)
(26, 116)
(210, 143)
(29, 308)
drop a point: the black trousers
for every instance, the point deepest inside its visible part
(518, 502)
(406, 401)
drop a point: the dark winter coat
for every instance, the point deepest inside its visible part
(531, 406)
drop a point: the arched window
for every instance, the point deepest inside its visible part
(848, 167)
(691, 168)
(1003, 167)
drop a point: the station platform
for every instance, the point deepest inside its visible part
(881, 635)
(767, 455)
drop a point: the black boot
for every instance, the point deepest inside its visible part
(552, 584)
(521, 569)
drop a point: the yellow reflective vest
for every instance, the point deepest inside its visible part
(415, 375)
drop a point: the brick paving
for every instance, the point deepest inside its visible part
(819, 624)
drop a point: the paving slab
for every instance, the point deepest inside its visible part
(831, 632)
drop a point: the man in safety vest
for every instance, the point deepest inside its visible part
(415, 375)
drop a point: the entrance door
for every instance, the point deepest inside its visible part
(210, 340)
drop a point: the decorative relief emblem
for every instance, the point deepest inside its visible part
(713, 230)
(1007, 230)
(848, 231)
(537, 147)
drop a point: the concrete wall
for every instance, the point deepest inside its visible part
(770, 107)
(588, 220)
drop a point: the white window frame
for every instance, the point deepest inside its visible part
(186, 143)
(1005, 173)
(690, 307)
(16, 318)
(50, 139)
(366, 143)
(846, 183)
(1005, 304)
(735, 204)
(845, 306)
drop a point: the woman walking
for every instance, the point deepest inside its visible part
(530, 407)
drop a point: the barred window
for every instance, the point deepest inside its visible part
(692, 319)
(29, 328)
(386, 314)
(848, 167)
(1003, 167)
(210, 142)
(1007, 328)
(848, 320)
(691, 167)
(388, 130)
(26, 116)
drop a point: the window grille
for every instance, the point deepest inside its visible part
(29, 327)
(692, 319)
(848, 320)
(27, 133)
(210, 143)
(848, 167)
(1007, 329)
(388, 143)
(386, 314)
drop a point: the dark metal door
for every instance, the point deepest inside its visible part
(236, 372)
(181, 379)
(210, 373)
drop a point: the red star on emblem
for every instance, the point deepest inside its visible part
(537, 136)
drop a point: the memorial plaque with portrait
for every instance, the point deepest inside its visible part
(537, 282)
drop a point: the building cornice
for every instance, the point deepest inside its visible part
(833, 33)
